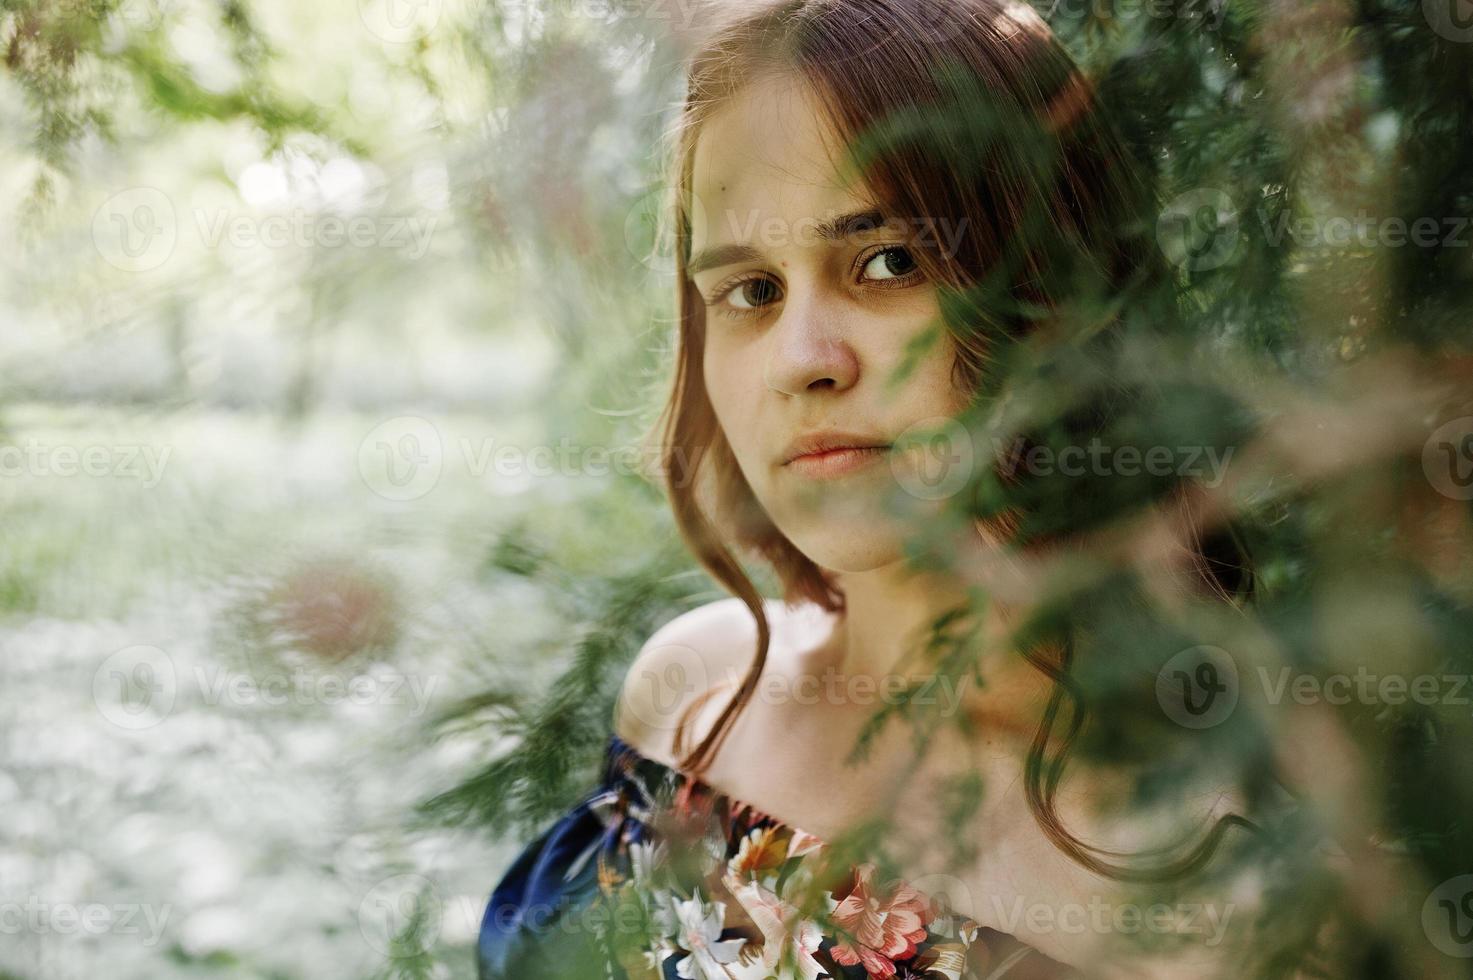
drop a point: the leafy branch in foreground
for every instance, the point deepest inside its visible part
(557, 733)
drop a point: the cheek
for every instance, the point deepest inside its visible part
(930, 388)
(715, 374)
(943, 374)
(726, 387)
(735, 389)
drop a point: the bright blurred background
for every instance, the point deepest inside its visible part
(310, 314)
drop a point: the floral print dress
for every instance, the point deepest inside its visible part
(656, 875)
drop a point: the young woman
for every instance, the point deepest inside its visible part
(830, 204)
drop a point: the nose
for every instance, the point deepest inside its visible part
(809, 351)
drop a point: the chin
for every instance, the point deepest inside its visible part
(856, 544)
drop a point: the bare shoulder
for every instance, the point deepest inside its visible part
(699, 654)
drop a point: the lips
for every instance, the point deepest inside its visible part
(829, 441)
(837, 463)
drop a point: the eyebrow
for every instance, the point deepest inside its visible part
(832, 231)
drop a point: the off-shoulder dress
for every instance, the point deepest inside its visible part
(657, 875)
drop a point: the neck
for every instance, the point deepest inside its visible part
(891, 612)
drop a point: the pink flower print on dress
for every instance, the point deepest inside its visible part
(884, 927)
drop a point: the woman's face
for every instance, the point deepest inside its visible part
(804, 327)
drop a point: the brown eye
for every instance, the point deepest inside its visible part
(753, 294)
(892, 263)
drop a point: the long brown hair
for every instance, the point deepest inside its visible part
(1055, 201)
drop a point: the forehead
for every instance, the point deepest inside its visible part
(769, 153)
